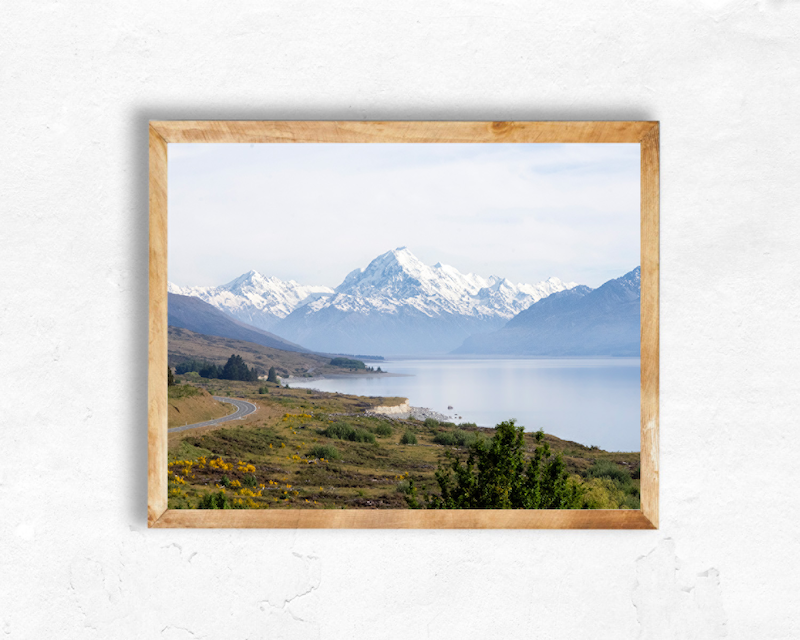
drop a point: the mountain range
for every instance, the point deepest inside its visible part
(581, 321)
(396, 305)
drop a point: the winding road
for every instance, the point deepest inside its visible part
(243, 409)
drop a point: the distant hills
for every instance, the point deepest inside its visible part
(200, 317)
(396, 305)
(577, 322)
(184, 345)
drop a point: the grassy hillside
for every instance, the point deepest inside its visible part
(308, 449)
(187, 345)
(189, 404)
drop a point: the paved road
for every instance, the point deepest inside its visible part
(242, 409)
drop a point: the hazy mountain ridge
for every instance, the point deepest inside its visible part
(580, 321)
(194, 314)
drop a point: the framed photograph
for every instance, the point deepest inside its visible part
(403, 324)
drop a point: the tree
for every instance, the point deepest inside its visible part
(170, 377)
(236, 369)
(272, 376)
(496, 475)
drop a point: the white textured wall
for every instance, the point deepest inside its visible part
(79, 81)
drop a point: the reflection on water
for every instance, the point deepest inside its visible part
(594, 401)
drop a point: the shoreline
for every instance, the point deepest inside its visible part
(333, 376)
(403, 411)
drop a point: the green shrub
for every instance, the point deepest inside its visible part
(607, 469)
(183, 391)
(362, 435)
(249, 480)
(468, 425)
(383, 429)
(327, 451)
(457, 438)
(344, 431)
(498, 475)
(225, 482)
(339, 430)
(263, 390)
(408, 438)
(215, 501)
(431, 423)
(404, 486)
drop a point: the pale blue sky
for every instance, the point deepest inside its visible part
(315, 212)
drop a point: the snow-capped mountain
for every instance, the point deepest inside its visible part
(254, 298)
(398, 305)
(398, 279)
(579, 322)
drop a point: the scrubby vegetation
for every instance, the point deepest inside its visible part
(344, 431)
(321, 450)
(457, 438)
(498, 475)
(183, 391)
(324, 452)
(384, 430)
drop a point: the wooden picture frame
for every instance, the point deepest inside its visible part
(646, 134)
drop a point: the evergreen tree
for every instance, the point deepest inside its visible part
(497, 476)
(210, 371)
(170, 377)
(272, 376)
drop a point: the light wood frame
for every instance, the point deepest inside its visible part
(644, 133)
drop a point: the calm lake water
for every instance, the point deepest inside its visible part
(594, 401)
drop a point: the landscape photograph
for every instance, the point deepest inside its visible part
(404, 326)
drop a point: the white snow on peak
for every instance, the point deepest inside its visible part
(398, 278)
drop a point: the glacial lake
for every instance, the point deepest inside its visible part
(594, 401)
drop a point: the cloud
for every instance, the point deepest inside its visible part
(314, 212)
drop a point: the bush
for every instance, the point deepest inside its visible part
(408, 438)
(497, 475)
(468, 425)
(263, 390)
(344, 431)
(604, 493)
(404, 486)
(215, 501)
(607, 469)
(457, 438)
(249, 480)
(183, 391)
(383, 429)
(431, 423)
(327, 451)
